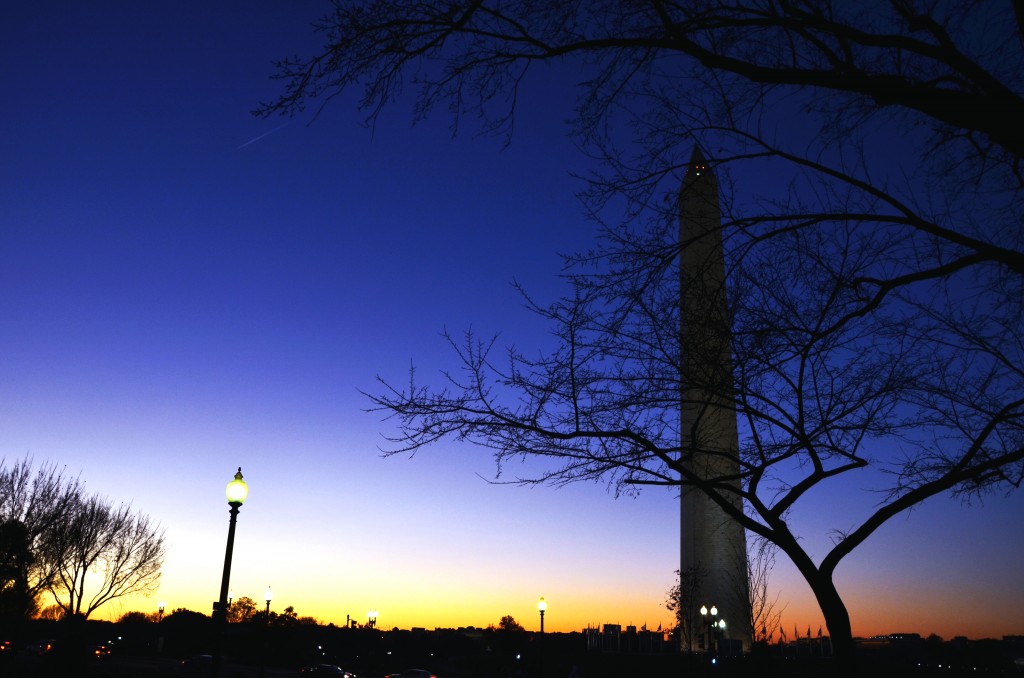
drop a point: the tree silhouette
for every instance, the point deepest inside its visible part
(682, 602)
(124, 548)
(136, 617)
(242, 610)
(765, 612)
(16, 559)
(508, 623)
(875, 286)
(33, 503)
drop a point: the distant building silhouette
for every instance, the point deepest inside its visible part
(611, 638)
(713, 545)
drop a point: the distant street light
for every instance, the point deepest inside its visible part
(268, 595)
(542, 607)
(160, 617)
(237, 491)
(371, 619)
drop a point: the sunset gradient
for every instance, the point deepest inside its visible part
(185, 289)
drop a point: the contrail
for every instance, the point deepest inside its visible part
(265, 134)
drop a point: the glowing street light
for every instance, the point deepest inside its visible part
(237, 491)
(371, 619)
(268, 595)
(160, 611)
(542, 607)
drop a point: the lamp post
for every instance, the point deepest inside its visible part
(268, 595)
(237, 491)
(371, 619)
(711, 623)
(542, 607)
(160, 617)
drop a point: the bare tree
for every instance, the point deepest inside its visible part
(876, 299)
(124, 548)
(765, 613)
(682, 602)
(33, 502)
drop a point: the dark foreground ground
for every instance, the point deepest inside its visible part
(584, 666)
(150, 650)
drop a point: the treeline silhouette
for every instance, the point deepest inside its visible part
(180, 644)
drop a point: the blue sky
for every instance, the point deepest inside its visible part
(185, 289)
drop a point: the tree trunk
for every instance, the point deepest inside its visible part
(837, 619)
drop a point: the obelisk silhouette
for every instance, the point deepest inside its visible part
(713, 546)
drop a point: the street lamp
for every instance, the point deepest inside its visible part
(710, 621)
(371, 619)
(236, 492)
(268, 595)
(542, 607)
(160, 617)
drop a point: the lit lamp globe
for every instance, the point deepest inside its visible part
(237, 490)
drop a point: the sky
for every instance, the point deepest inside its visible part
(186, 289)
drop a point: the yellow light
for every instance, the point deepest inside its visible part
(268, 595)
(542, 604)
(703, 610)
(237, 490)
(714, 611)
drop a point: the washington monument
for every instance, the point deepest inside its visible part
(713, 567)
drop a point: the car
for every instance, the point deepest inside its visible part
(326, 670)
(42, 647)
(412, 673)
